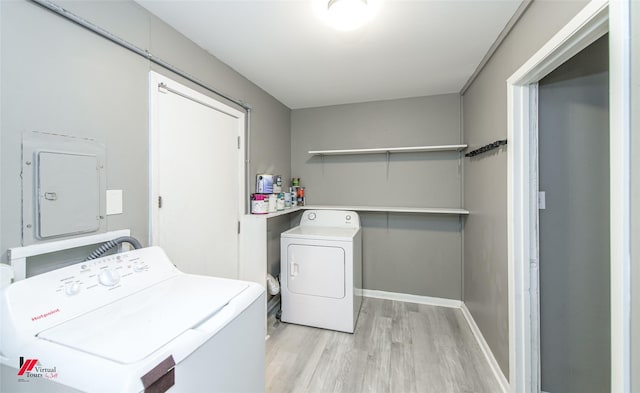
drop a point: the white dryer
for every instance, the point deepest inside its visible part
(321, 270)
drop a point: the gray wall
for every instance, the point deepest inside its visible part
(416, 254)
(485, 178)
(575, 323)
(58, 77)
(635, 196)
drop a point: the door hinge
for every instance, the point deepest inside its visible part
(159, 202)
(238, 142)
(238, 227)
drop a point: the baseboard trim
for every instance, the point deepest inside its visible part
(488, 354)
(405, 297)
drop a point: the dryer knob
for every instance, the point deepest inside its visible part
(311, 216)
(348, 217)
(109, 277)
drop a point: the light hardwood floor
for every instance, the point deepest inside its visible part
(397, 348)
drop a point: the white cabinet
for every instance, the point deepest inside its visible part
(253, 245)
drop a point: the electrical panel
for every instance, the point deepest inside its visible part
(63, 188)
(68, 194)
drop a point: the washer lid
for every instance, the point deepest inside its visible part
(128, 330)
(321, 233)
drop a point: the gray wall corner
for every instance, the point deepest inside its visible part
(485, 177)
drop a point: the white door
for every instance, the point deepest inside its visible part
(316, 270)
(197, 167)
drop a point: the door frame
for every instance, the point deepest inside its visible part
(155, 79)
(596, 19)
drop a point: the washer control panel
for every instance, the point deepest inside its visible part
(108, 272)
(58, 295)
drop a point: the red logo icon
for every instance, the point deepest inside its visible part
(27, 366)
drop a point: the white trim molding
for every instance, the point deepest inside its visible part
(486, 350)
(408, 298)
(620, 192)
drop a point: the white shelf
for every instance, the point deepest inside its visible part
(278, 213)
(390, 209)
(420, 210)
(410, 149)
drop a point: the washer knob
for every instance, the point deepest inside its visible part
(348, 217)
(109, 277)
(139, 267)
(311, 216)
(72, 288)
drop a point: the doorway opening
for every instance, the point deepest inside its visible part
(573, 224)
(593, 22)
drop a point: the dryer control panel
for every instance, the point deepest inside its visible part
(330, 218)
(45, 300)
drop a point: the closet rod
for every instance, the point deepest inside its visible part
(486, 148)
(163, 87)
(127, 45)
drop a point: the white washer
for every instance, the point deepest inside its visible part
(131, 322)
(321, 270)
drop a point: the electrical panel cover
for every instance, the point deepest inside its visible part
(68, 194)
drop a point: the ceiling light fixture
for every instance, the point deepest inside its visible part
(349, 14)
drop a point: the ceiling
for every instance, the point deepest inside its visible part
(409, 49)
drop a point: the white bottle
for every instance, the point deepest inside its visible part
(273, 203)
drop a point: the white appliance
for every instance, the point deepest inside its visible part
(131, 322)
(321, 270)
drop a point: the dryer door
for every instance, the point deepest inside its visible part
(316, 270)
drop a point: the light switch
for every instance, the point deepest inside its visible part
(114, 202)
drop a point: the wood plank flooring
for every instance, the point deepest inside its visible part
(397, 348)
